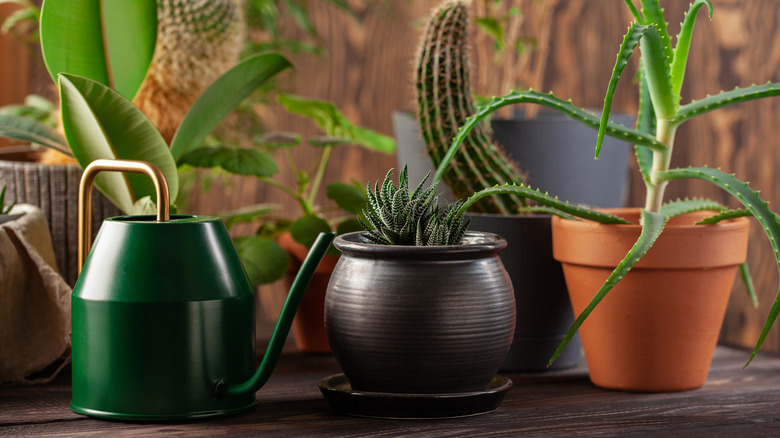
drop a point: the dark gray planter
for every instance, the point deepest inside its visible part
(420, 320)
(544, 312)
(55, 190)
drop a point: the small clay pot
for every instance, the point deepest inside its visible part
(420, 320)
(657, 329)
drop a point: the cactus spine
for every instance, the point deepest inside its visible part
(444, 103)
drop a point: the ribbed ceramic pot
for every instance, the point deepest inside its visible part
(420, 320)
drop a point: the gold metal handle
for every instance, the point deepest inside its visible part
(85, 195)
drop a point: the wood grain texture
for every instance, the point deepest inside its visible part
(733, 402)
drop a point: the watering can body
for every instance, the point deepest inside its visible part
(163, 318)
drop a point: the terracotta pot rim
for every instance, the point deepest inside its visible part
(478, 243)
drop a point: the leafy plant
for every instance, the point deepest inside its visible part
(5, 209)
(398, 217)
(662, 68)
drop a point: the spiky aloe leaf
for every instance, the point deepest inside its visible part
(726, 215)
(654, 14)
(683, 46)
(645, 122)
(683, 206)
(548, 210)
(544, 198)
(747, 279)
(652, 226)
(726, 98)
(565, 107)
(756, 206)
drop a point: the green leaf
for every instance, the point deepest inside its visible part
(348, 226)
(543, 198)
(726, 215)
(652, 226)
(263, 259)
(248, 214)
(744, 273)
(334, 124)
(222, 96)
(306, 229)
(348, 197)
(72, 40)
(131, 33)
(29, 130)
(680, 60)
(683, 206)
(756, 206)
(645, 122)
(654, 15)
(101, 123)
(492, 28)
(656, 60)
(725, 98)
(242, 161)
(18, 17)
(565, 107)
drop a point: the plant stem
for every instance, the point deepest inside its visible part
(301, 201)
(665, 132)
(315, 186)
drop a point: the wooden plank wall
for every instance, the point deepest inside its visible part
(367, 69)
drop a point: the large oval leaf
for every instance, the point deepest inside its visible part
(75, 40)
(241, 161)
(349, 198)
(263, 259)
(101, 123)
(222, 96)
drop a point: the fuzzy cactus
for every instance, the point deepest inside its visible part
(444, 102)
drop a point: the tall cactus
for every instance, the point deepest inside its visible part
(444, 102)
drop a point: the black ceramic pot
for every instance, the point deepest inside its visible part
(420, 320)
(544, 312)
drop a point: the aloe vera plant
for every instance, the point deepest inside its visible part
(661, 112)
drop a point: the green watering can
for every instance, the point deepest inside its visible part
(163, 314)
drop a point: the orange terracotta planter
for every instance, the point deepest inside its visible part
(309, 324)
(656, 331)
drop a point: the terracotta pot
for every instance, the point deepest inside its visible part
(420, 319)
(657, 329)
(309, 324)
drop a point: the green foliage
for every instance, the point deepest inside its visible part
(5, 209)
(397, 217)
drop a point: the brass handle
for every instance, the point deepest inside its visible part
(85, 195)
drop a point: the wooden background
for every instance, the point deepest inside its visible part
(367, 69)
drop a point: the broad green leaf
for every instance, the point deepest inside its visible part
(242, 161)
(222, 96)
(72, 40)
(565, 107)
(306, 229)
(756, 206)
(263, 259)
(348, 197)
(492, 28)
(29, 130)
(543, 198)
(131, 33)
(680, 60)
(101, 123)
(348, 226)
(248, 214)
(334, 124)
(726, 98)
(652, 226)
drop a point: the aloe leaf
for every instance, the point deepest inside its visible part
(725, 98)
(543, 198)
(726, 215)
(627, 47)
(335, 124)
(747, 279)
(680, 60)
(28, 130)
(74, 39)
(756, 206)
(543, 209)
(645, 122)
(101, 123)
(637, 16)
(565, 107)
(652, 226)
(655, 15)
(683, 206)
(241, 161)
(222, 96)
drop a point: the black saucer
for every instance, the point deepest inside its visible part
(343, 399)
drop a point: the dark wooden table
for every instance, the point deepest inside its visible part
(733, 403)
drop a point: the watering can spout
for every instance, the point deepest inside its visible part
(283, 324)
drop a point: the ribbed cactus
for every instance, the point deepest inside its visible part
(444, 102)
(197, 41)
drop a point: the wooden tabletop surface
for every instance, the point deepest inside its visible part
(733, 403)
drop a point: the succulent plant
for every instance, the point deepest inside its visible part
(444, 103)
(397, 217)
(662, 69)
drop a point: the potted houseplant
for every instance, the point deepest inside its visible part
(34, 298)
(123, 45)
(417, 306)
(611, 296)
